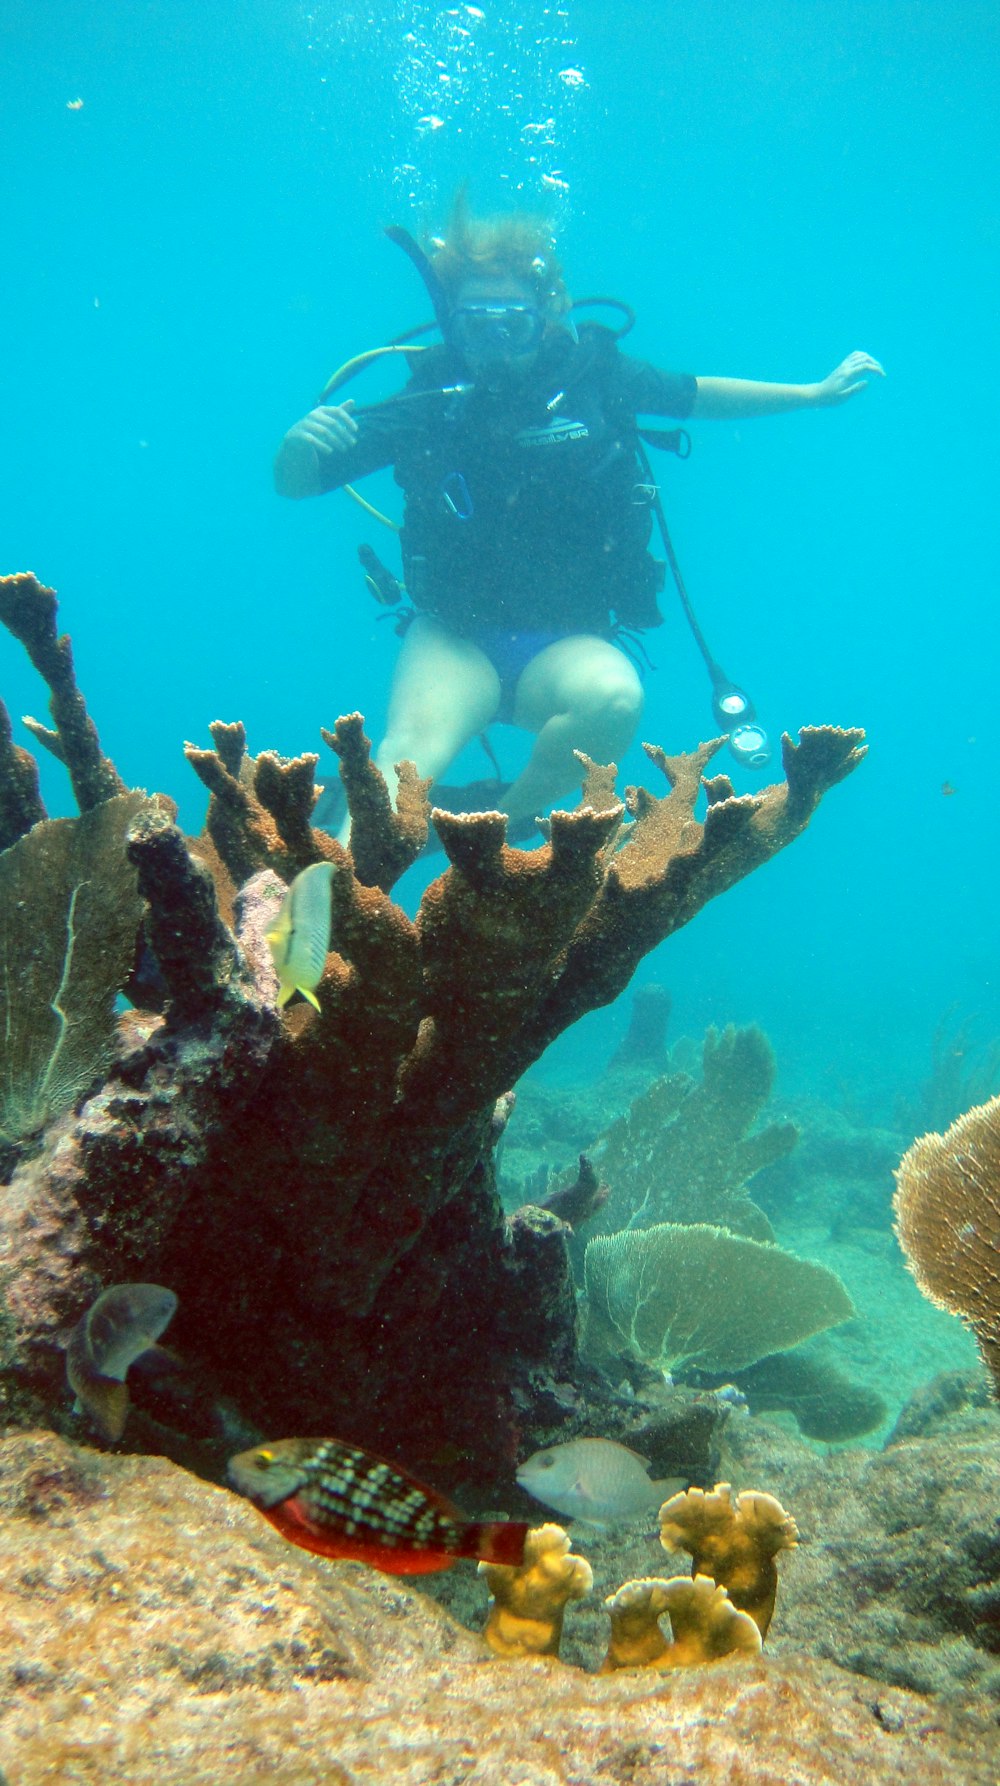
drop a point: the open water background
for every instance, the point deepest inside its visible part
(190, 253)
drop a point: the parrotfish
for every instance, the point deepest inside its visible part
(595, 1480)
(339, 1501)
(118, 1328)
(300, 935)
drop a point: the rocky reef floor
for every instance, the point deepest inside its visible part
(153, 1628)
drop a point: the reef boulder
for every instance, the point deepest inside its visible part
(153, 1627)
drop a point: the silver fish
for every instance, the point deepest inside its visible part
(595, 1480)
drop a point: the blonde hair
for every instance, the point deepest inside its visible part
(513, 245)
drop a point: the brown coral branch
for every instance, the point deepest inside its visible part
(345, 1201)
(493, 934)
(717, 788)
(384, 841)
(823, 756)
(46, 737)
(670, 865)
(28, 610)
(230, 740)
(599, 779)
(249, 832)
(575, 1203)
(20, 800)
(193, 948)
(288, 791)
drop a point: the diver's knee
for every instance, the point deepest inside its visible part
(626, 701)
(615, 700)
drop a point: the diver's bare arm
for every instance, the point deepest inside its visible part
(719, 398)
(306, 448)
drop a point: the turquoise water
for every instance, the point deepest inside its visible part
(190, 252)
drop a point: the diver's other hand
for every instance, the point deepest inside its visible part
(330, 429)
(851, 376)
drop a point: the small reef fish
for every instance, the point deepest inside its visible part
(575, 1203)
(299, 938)
(124, 1322)
(595, 1480)
(339, 1501)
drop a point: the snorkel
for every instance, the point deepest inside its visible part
(432, 284)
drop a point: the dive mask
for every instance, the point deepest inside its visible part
(495, 331)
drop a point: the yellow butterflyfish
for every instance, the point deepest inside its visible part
(300, 936)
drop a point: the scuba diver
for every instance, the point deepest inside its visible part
(528, 509)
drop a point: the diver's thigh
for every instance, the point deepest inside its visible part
(437, 671)
(577, 672)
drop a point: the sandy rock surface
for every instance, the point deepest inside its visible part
(154, 1629)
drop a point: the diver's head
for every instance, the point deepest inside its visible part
(496, 326)
(503, 289)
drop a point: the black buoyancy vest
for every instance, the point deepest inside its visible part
(524, 509)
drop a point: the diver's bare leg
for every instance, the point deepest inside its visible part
(444, 691)
(581, 693)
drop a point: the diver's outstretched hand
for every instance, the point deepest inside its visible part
(851, 376)
(330, 429)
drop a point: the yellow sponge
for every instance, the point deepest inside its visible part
(735, 1542)
(530, 1598)
(704, 1622)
